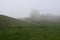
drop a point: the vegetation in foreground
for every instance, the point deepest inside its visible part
(30, 33)
(13, 29)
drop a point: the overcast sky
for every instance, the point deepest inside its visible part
(22, 8)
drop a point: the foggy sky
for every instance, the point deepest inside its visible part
(22, 8)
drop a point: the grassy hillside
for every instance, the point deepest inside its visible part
(6, 21)
(14, 29)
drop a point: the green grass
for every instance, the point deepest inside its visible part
(30, 33)
(14, 29)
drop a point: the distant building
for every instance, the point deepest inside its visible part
(35, 15)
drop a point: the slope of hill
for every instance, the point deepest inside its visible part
(6, 21)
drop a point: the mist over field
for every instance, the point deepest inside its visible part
(29, 19)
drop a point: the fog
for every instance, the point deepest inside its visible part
(23, 8)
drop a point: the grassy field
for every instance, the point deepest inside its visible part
(13, 29)
(30, 33)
